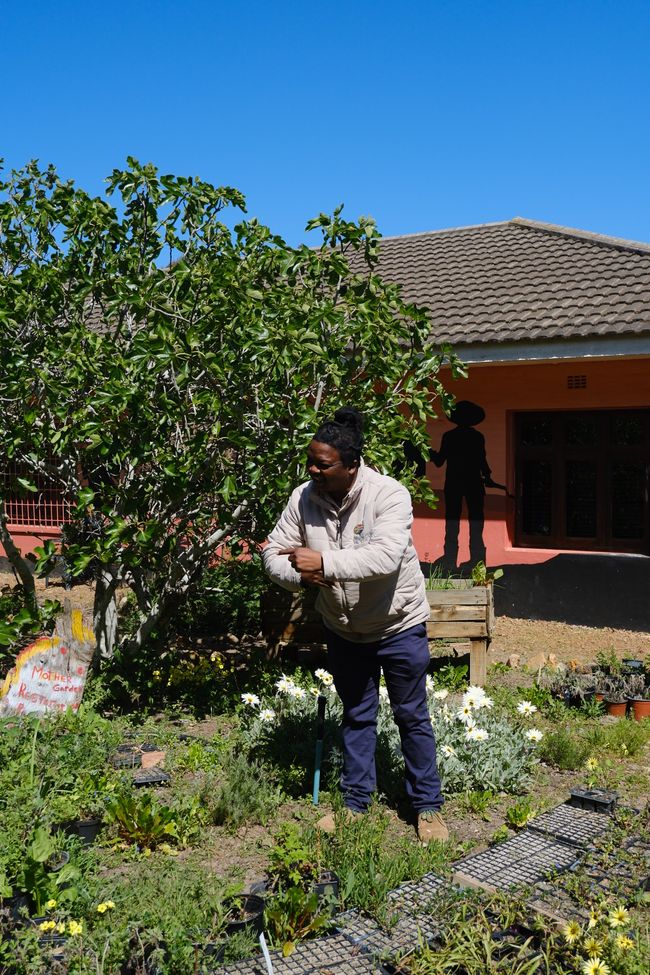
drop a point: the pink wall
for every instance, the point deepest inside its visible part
(503, 390)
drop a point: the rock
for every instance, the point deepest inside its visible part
(514, 660)
(538, 661)
(231, 638)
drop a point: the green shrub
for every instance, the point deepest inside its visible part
(564, 749)
(622, 738)
(249, 794)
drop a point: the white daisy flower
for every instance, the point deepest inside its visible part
(441, 694)
(476, 734)
(298, 693)
(534, 734)
(487, 702)
(284, 685)
(251, 699)
(448, 750)
(267, 715)
(465, 714)
(314, 691)
(429, 684)
(473, 697)
(526, 708)
(324, 677)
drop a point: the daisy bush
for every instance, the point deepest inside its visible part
(478, 747)
(605, 945)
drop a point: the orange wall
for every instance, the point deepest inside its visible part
(503, 390)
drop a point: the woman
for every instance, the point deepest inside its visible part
(348, 531)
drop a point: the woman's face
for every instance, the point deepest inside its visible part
(327, 471)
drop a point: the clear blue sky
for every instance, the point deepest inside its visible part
(423, 114)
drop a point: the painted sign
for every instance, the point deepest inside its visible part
(50, 674)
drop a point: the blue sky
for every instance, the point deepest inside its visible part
(423, 114)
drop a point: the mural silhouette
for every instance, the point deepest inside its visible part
(467, 476)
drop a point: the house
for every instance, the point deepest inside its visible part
(555, 326)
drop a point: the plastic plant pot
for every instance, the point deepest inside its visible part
(327, 886)
(640, 708)
(618, 709)
(86, 829)
(244, 912)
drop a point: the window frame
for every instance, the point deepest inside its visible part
(603, 454)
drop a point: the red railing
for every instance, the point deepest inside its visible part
(46, 508)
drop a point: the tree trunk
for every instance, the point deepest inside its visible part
(18, 563)
(104, 615)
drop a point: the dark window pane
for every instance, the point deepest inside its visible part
(581, 493)
(536, 497)
(628, 500)
(628, 430)
(581, 431)
(536, 431)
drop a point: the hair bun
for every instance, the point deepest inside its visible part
(347, 416)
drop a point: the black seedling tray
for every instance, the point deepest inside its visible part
(334, 953)
(126, 759)
(408, 924)
(594, 800)
(151, 777)
(523, 860)
(571, 824)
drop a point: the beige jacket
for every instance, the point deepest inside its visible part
(367, 552)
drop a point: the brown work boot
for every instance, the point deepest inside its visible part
(431, 826)
(327, 824)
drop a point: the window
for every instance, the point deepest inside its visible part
(582, 480)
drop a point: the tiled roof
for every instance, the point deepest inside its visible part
(522, 281)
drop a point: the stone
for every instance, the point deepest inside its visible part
(537, 662)
(514, 660)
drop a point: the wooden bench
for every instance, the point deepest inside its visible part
(464, 612)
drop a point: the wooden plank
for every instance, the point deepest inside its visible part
(450, 613)
(478, 662)
(459, 597)
(475, 630)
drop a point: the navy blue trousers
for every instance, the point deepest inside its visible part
(356, 667)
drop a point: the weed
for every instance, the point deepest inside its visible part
(293, 915)
(520, 813)
(625, 738)
(453, 677)
(477, 803)
(143, 820)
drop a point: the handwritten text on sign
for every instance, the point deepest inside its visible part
(50, 674)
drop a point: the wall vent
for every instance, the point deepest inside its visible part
(576, 382)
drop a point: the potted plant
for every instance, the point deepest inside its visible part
(641, 705)
(292, 864)
(244, 912)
